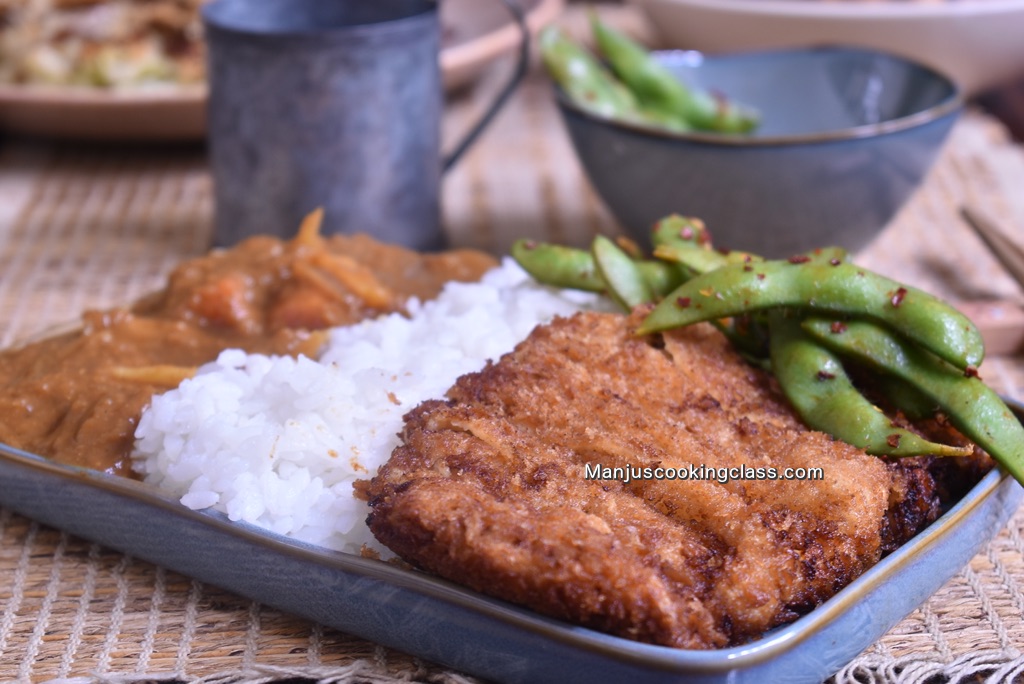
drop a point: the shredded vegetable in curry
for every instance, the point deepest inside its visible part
(76, 397)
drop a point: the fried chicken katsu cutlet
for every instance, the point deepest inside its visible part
(504, 488)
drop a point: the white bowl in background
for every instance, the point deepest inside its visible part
(979, 43)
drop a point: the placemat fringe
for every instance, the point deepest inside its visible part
(365, 671)
(987, 667)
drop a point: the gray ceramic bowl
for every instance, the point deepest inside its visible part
(846, 136)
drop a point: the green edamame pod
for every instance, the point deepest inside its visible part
(746, 333)
(561, 266)
(658, 89)
(702, 260)
(834, 287)
(626, 284)
(682, 231)
(582, 76)
(828, 255)
(816, 384)
(971, 406)
(660, 277)
(660, 119)
(906, 398)
(699, 260)
(591, 86)
(558, 265)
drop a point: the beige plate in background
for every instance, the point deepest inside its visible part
(476, 33)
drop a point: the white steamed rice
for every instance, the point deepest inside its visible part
(278, 442)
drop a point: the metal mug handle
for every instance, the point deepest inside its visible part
(517, 76)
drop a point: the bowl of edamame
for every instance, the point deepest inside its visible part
(778, 151)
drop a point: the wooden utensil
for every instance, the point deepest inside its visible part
(1001, 322)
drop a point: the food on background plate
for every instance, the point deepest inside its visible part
(636, 87)
(130, 45)
(105, 43)
(535, 477)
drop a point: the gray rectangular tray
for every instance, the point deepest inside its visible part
(442, 622)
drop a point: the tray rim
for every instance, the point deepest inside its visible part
(774, 644)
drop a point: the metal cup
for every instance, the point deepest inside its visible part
(334, 104)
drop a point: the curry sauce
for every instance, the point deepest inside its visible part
(77, 397)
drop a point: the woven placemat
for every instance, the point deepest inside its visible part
(91, 227)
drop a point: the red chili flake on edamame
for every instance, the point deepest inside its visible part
(898, 296)
(835, 262)
(837, 327)
(683, 302)
(971, 372)
(893, 441)
(760, 276)
(799, 259)
(686, 233)
(530, 244)
(825, 375)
